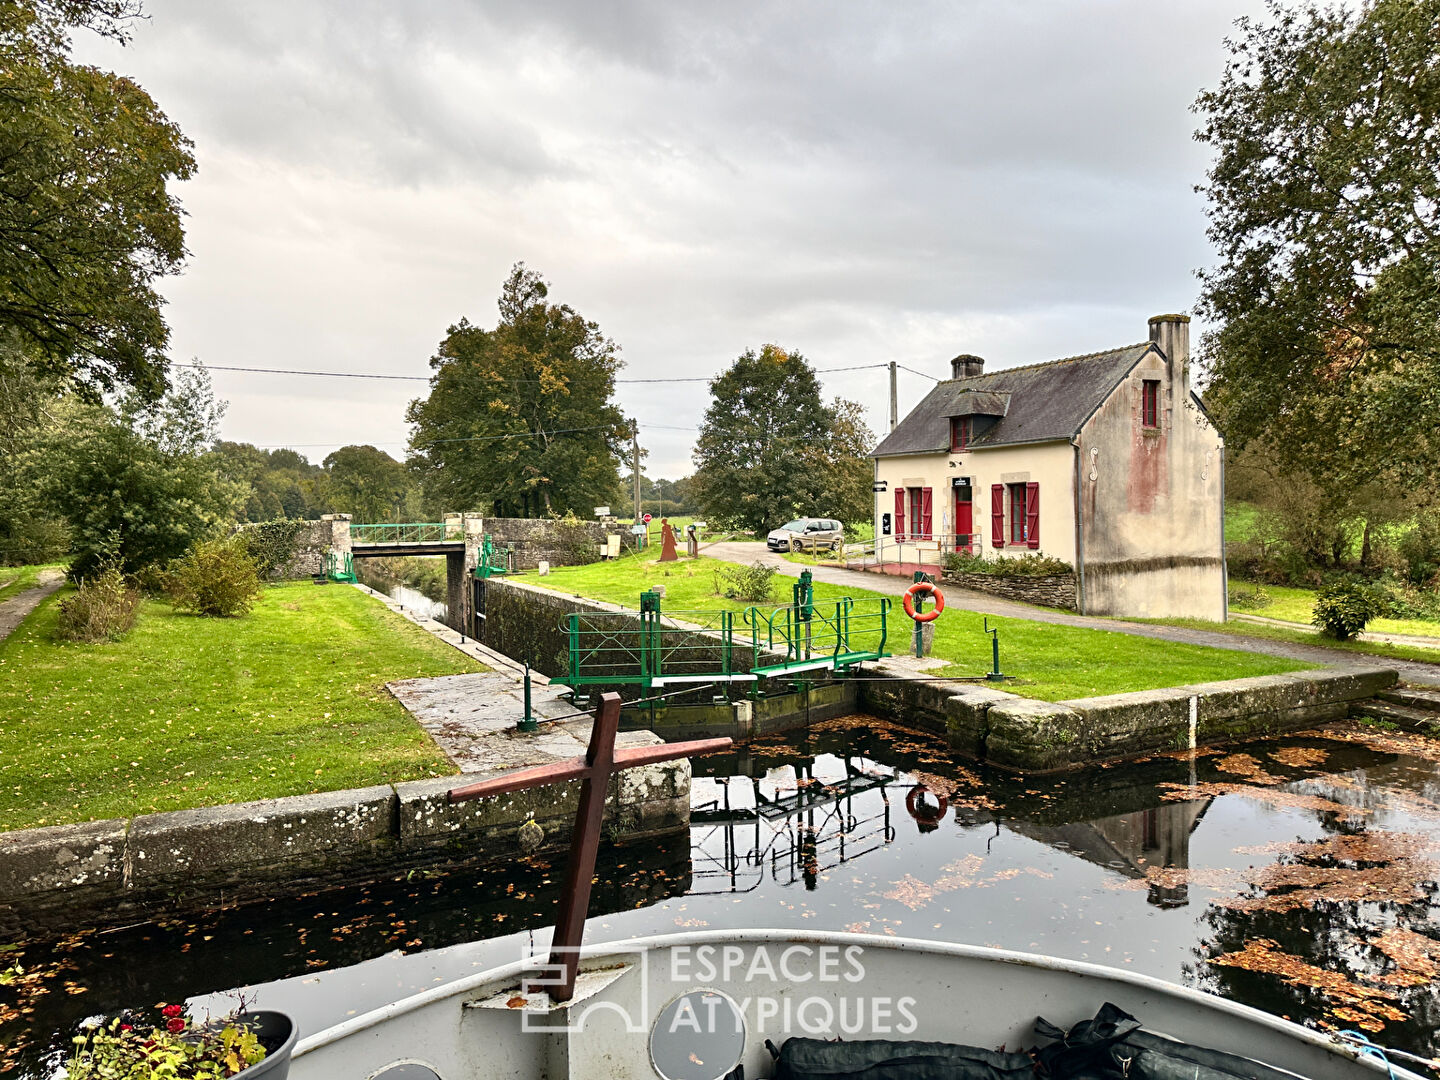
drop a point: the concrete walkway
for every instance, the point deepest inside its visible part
(1411, 671)
(14, 610)
(472, 716)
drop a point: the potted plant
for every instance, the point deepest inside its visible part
(133, 1047)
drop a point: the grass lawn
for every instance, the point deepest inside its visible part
(1298, 606)
(1301, 636)
(190, 711)
(1054, 662)
(16, 579)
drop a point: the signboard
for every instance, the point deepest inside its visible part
(637, 530)
(880, 485)
(647, 519)
(960, 481)
(602, 511)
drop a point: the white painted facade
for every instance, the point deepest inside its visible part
(1131, 495)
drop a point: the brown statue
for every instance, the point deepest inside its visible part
(667, 542)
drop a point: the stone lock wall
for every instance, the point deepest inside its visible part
(1054, 590)
(535, 539)
(105, 872)
(311, 546)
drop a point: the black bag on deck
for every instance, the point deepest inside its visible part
(888, 1059)
(1112, 1047)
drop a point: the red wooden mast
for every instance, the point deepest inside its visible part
(600, 762)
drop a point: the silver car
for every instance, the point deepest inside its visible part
(806, 534)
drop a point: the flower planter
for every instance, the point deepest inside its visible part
(278, 1034)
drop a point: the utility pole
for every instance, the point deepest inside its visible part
(894, 399)
(635, 457)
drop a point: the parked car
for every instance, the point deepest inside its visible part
(806, 533)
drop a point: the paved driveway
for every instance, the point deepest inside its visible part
(1411, 671)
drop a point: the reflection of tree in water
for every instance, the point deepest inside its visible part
(1300, 938)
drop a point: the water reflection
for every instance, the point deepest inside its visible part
(1164, 866)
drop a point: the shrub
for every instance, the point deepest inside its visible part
(1006, 566)
(1250, 600)
(1420, 549)
(215, 577)
(1343, 609)
(272, 544)
(750, 583)
(102, 607)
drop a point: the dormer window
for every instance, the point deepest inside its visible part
(960, 434)
(1150, 404)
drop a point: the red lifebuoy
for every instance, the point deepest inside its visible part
(921, 812)
(934, 593)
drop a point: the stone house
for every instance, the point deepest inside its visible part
(1106, 461)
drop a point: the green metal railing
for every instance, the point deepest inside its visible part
(337, 569)
(412, 532)
(650, 648)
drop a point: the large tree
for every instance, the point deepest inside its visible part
(520, 420)
(135, 481)
(87, 221)
(1324, 205)
(770, 449)
(370, 485)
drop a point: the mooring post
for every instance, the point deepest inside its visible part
(994, 673)
(528, 721)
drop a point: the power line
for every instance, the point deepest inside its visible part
(922, 374)
(426, 378)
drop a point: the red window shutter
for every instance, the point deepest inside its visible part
(900, 512)
(927, 513)
(997, 515)
(1032, 515)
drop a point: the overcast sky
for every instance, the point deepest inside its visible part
(859, 182)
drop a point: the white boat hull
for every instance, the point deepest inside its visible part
(982, 997)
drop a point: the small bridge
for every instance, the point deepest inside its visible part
(458, 538)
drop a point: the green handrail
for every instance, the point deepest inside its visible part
(410, 532)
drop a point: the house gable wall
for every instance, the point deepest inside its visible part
(1151, 502)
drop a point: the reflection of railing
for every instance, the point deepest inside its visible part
(413, 532)
(814, 829)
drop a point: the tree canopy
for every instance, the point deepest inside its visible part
(1324, 205)
(135, 481)
(520, 419)
(87, 222)
(370, 485)
(770, 449)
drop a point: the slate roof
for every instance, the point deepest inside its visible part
(1046, 402)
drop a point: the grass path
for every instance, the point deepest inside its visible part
(16, 579)
(1298, 606)
(1055, 662)
(189, 711)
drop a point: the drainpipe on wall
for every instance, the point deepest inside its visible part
(1224, 560)
(1079, 531)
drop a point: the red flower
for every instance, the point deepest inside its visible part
(175, 1024)
(172, 1010)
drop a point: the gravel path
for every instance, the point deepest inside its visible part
(1411, 671)
(14, 610)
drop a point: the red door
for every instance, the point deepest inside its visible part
(964, 520)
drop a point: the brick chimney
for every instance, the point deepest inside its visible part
(966, 366)
(1172, 334)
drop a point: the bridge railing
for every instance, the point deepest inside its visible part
(649, 649)
(411, 532)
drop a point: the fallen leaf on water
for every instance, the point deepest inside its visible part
(1416, 957)
(1300, 757)
(1176, 792)
(1365, 1006)
(1246, 766)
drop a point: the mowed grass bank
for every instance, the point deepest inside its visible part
(190, 711)
(1298, 606)
(1054, 663)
